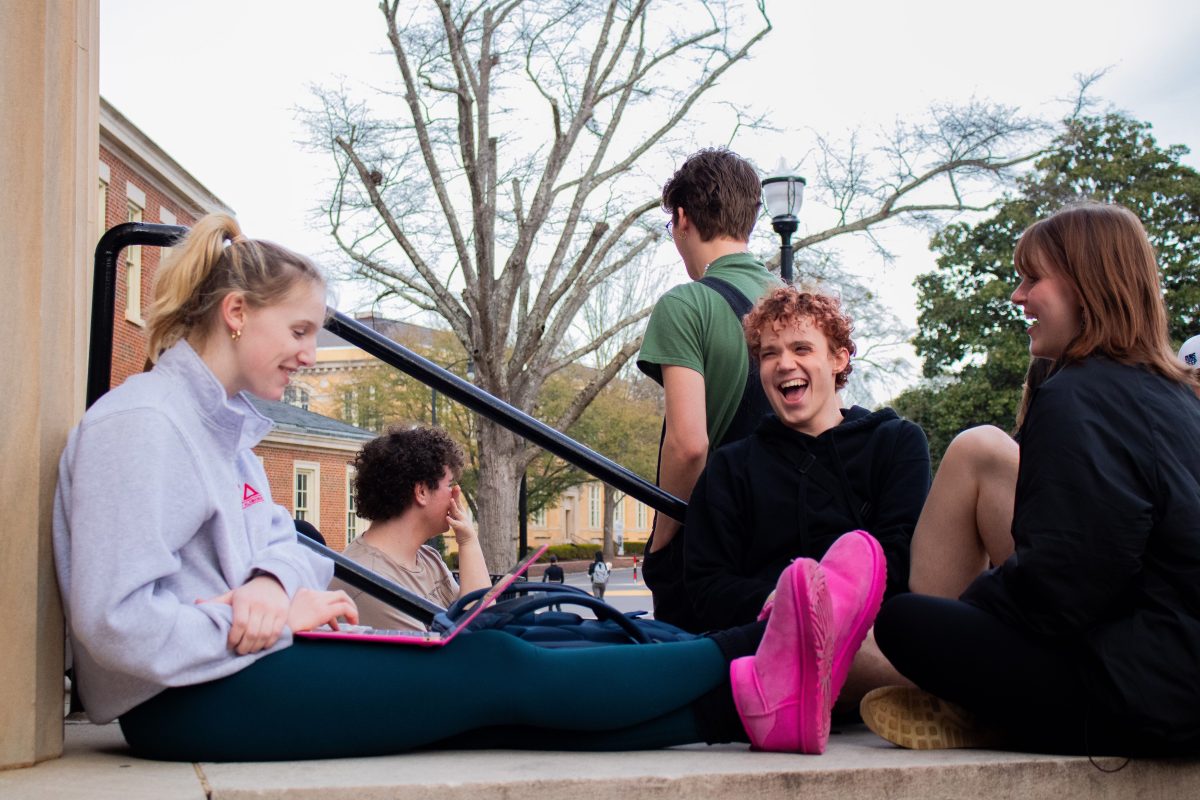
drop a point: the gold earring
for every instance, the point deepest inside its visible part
(235, 335)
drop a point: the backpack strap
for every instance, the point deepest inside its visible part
(754, 405)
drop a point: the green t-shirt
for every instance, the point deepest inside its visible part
(692, 326)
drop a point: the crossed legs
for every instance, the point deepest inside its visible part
(966, 524)
(967, 520)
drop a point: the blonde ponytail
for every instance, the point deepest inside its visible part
(213, 260)
(179, 279)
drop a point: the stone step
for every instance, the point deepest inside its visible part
(96, 766)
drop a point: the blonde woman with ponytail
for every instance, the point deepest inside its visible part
(183, 582)
(174, 564)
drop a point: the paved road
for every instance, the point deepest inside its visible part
(623, 592)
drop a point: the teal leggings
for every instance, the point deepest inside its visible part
(333, 699)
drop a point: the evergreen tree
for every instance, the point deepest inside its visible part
(972, 338)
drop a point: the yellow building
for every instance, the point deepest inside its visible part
(578, 516)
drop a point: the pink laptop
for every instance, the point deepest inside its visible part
(443, 630)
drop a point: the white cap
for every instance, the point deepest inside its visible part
(1190, 352)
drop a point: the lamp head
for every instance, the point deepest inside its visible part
(783, 193)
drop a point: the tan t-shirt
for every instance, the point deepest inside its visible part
(431, 579)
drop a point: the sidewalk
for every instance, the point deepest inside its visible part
(96, 766)
(571, 567)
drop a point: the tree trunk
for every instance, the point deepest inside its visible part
(610, 511)
(496, 502)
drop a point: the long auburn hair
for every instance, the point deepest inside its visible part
(1104, 252)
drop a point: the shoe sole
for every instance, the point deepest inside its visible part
(802, 723)
(916, 720)
(843, 659)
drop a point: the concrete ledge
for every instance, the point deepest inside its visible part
(96, 764)
(858, 764)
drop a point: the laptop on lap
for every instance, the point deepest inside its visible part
(443, 629)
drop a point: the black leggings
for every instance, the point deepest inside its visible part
(1035, 689)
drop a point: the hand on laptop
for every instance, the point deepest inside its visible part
(311, 609)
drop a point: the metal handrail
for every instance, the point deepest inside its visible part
(104, 294)
(100, 349)
(500, 412)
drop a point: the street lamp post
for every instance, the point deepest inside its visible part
(783, 194)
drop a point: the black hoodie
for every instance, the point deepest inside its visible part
(780, 494)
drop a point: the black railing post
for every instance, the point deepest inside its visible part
(104, 294)
(522, 520)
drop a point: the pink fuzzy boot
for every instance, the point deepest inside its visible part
(855, 572)
(782, 692)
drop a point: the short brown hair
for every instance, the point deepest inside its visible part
(1103, 251)
(388, 469)
(719, 191)
(787, 305)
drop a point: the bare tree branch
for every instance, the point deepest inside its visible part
(500, 189)
(601, 379)
(446, 304)
(437, 182)
(596, 343)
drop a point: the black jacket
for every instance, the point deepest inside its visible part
(760, 503)
(1107, 535)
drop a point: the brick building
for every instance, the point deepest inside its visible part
(141, 183)
(307, 457)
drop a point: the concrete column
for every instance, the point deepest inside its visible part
(48, 174)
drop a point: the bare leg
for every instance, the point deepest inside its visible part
(870, 670)
(967, 519)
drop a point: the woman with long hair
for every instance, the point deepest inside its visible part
(183, 582)
(1084, 640)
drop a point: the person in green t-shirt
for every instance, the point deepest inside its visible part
(694, 344)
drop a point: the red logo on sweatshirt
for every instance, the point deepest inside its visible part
(250, 496)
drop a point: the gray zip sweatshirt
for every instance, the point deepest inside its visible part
(161, 503)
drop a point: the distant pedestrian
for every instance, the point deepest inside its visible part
(598, 571)
(554, 574)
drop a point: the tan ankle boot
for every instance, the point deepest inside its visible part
(915, 719)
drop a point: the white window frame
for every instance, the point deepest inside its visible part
(312, 511)
(133, 269)
(595, 507)
(619, 512)
(355, 525)
(538, 518)
(102, 202)
(300, 396)
(350, 406)
(640, 514)
(167, 217)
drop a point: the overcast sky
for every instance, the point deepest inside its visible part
(216, 85)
